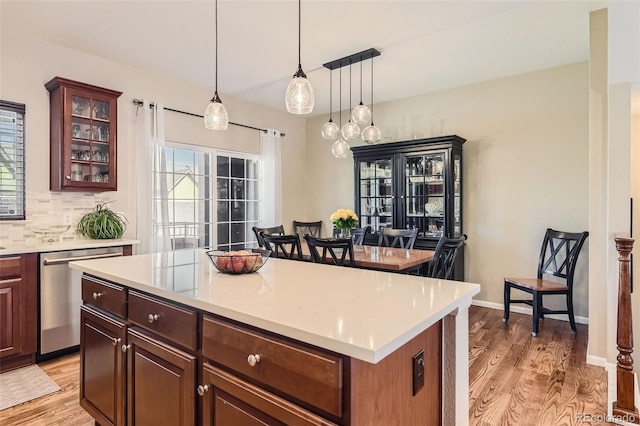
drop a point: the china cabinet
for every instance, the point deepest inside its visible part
(411, 184)
(83, 121)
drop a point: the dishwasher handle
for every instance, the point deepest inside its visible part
(73, 259)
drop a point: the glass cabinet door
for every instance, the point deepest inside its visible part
(457, 196)
(424, 196)
(376, 193)
(90, 156)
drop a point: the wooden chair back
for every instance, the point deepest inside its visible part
(359, 234)
(445, 257)
(401, 238)
(334, 251)
(307, 228)
(559, 254)
(277, 230)
(287, 246)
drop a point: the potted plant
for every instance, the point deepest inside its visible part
(102, 224)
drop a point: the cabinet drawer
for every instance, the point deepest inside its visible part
(171, 321)
(106, 296)
(10, 266)
(308, 375)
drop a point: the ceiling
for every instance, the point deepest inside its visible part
(426, 45)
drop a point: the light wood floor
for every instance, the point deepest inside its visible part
(514, 379)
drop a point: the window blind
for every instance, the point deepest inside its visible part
(12, 185)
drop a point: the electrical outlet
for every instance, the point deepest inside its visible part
(418, 371)
(67, 217)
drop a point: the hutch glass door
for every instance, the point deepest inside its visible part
(376, 193)
(424, 193)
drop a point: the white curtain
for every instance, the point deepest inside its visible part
(270, 149)
(153, 229)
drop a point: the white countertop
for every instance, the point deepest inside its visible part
(62, 246)
(361, 313)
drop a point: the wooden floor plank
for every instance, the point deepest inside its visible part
(514, 378)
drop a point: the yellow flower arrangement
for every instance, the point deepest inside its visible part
(344, 219)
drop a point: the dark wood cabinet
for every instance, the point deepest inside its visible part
(102, 366)
(161, 382)
(412, 184)
(83, 125)
(18, 295)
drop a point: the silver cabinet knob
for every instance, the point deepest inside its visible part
(116, 340)
(125, 347)
(153, 317)
(203, 389)
(253, 359)
(96, 296)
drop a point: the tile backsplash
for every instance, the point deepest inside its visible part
(50, 208)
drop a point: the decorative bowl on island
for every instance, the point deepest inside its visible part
(238, 262)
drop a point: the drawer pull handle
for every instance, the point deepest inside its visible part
(96, 296)
(116, 340)
(203, 389)
(253, 359)
(152, 318)
(125, 347)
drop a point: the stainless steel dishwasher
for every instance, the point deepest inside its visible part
(59, 299)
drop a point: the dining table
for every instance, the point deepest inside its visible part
(382, 258)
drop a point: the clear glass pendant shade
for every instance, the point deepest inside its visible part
(340, 148)
(330, 130)
(371, 135)
(361, 114)
(299, 96)
(215, 116)
(350, 131)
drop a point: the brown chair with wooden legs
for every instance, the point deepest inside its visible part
(307, 228)
(274, 230)
(286, 246)
(401, 238)
(334, 251)
(558, 258)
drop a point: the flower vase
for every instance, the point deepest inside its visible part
(345, 232)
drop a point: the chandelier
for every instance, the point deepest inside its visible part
(361, 114)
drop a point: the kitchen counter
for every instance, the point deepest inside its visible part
(40, 247)
(359, 313)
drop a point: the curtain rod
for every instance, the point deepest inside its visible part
(138, 102)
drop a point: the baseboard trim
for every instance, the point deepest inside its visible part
(525, 310)
(598, 361)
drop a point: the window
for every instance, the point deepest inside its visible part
(11, 161)
(206, 199)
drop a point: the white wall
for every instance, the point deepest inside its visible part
(27, 63)
(525, 167)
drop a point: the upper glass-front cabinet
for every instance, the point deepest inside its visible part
(411, 184)
(83, 136)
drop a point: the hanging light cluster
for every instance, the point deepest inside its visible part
(360, 115)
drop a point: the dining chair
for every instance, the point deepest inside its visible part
(287, 246)
(307, 228)
(278, 230)
(444, 258)
(402, 238)
(359, 234)
(334, 251)
(558, 258)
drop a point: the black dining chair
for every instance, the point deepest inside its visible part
(334, 251)
(277, 230)
(558, 258)
(444, 258)
(401, 238)
(287, 246)
(359, 234)
(307, 228)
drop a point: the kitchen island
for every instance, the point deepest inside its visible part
(294, 343)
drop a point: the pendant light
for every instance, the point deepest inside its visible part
(361, 114)
(299, 97)
(340, 148)
(351, 130)
(371, 134)
(330, 130)
(215, 116)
